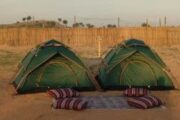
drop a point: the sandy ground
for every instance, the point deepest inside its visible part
(37, 106)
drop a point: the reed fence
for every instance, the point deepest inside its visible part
(83, 37)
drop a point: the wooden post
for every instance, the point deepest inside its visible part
(118, 22)
(159, 22)
(99, 46)
(165, 21)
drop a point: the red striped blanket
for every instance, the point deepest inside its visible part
(69, 103)
(63, 93)
(144, 102)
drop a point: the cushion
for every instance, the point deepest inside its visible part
(144, 102)
(135, 92)
(69, 103)
(63, 93)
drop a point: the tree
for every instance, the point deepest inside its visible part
(75, 25)
(89, 25)
(51, 24)
(29, 18)
(24, 19)
(145, 25)
(59, 19)
(81, 25)
(111, 26)
(65, 22)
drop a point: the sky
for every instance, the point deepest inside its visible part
(99, 12)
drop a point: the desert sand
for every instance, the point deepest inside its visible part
(37, 106)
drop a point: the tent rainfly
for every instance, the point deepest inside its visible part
(134, 64)
(52, 65)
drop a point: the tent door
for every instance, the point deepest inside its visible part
(138, 73)
(57, 74)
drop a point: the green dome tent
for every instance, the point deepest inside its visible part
(134, 64)
(52, 65)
